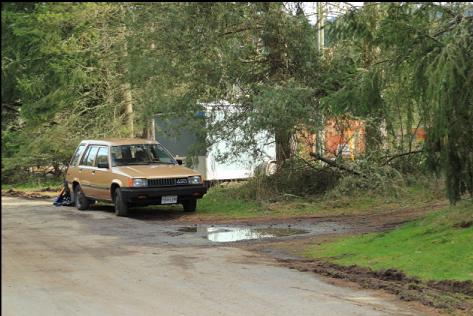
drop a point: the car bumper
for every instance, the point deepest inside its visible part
(148, 196)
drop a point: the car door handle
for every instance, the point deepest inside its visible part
(93, 171)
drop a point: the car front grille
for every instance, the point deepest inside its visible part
(167, 182)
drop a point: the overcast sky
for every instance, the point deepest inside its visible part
(334, 9)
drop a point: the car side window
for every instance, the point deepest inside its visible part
(84, 156)
(89, 156)
(159, 154)
(102, 156)
(117, 156)
(75, 158)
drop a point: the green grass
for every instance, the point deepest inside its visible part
(433, 248)
(220, 202)
(34, 185)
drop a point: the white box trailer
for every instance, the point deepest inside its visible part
(174, 134)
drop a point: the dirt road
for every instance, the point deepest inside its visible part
(60, 261)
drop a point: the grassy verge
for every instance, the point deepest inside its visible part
(31, 186)
(437, 247)
(226, 201)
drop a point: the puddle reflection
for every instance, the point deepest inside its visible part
(229, 234)
(217, 234)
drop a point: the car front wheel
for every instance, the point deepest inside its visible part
(190, 205)
(81, 202)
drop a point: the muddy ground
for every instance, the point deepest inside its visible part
(60, 260)
(447, 296)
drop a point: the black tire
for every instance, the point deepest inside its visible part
(190, 205)
(121, 207)
(73, 196)
(81, 202)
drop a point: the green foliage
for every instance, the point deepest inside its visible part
(450, 112)
(251, 54)
(415, 71)
(67, 67)
(294, 179)
(301, 179)
(56, 83)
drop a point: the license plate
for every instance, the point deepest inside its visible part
(169, 199)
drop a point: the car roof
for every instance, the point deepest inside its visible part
(119, 141)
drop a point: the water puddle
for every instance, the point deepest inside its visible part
(229, 234)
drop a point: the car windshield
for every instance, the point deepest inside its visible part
(141, 154)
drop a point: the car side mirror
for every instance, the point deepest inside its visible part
(103, 165)
(179, 162)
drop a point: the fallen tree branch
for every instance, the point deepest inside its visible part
(308, 164)
(335, 165)
(402, 155)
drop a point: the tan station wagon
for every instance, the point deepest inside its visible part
(131, 172)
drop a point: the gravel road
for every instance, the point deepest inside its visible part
(60, 261)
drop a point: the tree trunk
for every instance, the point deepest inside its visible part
(126, 85)
(373, 137)
(129, 108)
(283, 146)
(277, 70)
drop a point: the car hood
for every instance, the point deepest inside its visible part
(155, 171)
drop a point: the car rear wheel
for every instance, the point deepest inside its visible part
(190, 205)
(121, 207)
(81, 202)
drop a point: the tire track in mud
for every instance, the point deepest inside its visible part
(446, 295)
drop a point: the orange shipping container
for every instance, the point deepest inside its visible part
(342, 136)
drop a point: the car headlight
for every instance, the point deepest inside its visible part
(138, 182)
(195, 180)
